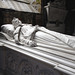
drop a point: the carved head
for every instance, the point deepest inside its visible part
(16, 22)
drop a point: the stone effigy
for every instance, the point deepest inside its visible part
(23, 33)
(26, 34)
(55, 49)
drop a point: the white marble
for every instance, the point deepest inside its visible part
(53, 48)
(63, 63)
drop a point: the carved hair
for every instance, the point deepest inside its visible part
(16, 22)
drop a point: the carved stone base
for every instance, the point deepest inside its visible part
(20, 64)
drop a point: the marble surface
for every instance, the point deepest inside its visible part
(59, 59)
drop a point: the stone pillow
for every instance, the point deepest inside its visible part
(8, 29)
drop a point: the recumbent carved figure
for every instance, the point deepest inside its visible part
(26, 34)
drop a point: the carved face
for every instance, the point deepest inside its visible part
(16, 22)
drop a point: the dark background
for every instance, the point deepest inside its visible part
(6, 16)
